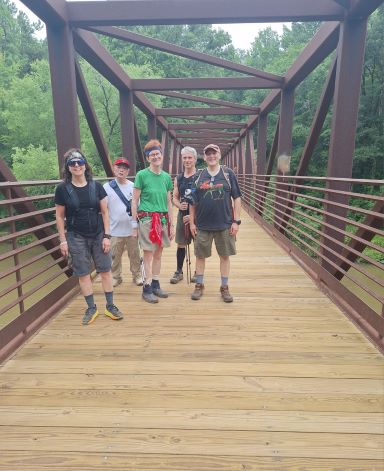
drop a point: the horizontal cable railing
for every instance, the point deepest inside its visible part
(335, 229)
(34, 277)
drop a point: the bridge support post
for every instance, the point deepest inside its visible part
(151, 127)
(63, 81)
(127, 118)
(349, 69)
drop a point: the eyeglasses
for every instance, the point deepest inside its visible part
(157, 154)
(73, 163)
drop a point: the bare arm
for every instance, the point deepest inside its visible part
(134, 204)
(192, 225)
(170, 215)
(105, 216)
(60, 223)
(236, 215)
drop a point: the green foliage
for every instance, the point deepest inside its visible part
(35, 163)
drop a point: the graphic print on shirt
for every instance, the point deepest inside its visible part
(212, 190)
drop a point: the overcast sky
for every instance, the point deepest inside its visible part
(242, 34)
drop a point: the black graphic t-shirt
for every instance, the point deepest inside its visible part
(212, 197)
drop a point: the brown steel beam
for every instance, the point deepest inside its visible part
(209, 120)
(203, 126)
(63, 84)
(53, 12)
(139, 151)
(184, 52)
(90, 48)
(127, 121)
(151, 127)
(363, 8)
(144, 12)
(203, 111)
(343, 131)
(198, 134)
(214, 83)
(90, 116)
(201, 99)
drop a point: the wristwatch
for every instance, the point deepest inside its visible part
(238, 222)
(107, 236)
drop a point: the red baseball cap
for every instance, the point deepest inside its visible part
(213, 147)
(122, 161)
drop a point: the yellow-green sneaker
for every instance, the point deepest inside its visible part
(90, 315)
(113, 312)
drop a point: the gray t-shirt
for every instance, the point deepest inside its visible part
(119, 220)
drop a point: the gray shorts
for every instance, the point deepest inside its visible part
(224, 242)
(84, 251)
(145, 242)
(180, 230)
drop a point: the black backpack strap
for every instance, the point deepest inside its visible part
(72, 196)
(93, 200)
(226, 175)
(113, 184)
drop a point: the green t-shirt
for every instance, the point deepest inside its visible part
(154, 190)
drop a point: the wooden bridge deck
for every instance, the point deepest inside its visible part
(278, 380)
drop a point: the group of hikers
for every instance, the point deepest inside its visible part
(98, 223)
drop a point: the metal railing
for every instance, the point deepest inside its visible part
(34, 278)
(334, 229)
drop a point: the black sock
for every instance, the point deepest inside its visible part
(109, 297)
(180, 257)
(89, 300)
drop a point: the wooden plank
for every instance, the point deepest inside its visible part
(358, 368)
(186, 442)
(85, 460)
(193, 419)
(367, 403)
(279, 380)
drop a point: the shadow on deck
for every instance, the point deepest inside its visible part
(279, 379)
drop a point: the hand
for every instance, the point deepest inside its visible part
(184, 206)
(64, 249)
(186, 219)
(172, 232)
(234, 229)
(193, 229)
(106, 245)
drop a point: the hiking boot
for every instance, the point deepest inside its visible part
(90, 315)
(148, 295)
(157, 291)
(193, 279)
(113, 312)
(177, 276)
(138, 280)
(198, 293)
(224, 290)
(117, 282)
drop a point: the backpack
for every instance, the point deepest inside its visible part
(91, 215)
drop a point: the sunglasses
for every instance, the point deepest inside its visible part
(73, 163)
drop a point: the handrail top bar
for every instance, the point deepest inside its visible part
(303, 177)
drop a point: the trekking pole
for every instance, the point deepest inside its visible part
(142, 268)
(188, 263)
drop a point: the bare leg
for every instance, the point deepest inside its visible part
(156, 264)
(85, 283)
(106, 281)
(148, 257)
(224, 266)
(200, 266)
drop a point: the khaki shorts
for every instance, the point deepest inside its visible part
(145, 243)
(224, 242)
(180, 231)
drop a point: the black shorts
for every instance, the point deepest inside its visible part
(84, 251)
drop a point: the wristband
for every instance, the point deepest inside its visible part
(134, 224)
(64, 243)
(107, 236)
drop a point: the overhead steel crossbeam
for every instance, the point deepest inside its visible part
(201, 99)
(203, 111)
(203, 126)
(184, 52)
(155, 12)
(214, 83)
